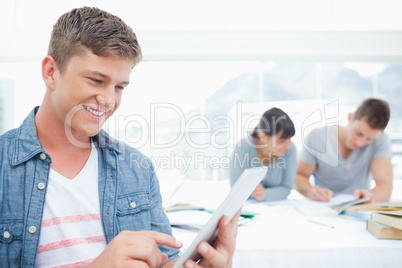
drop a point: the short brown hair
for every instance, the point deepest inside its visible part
(376, 113)
(90, 28)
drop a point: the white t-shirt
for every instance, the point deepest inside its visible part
(71, 231)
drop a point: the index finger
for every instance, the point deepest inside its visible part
(329, 192)
(162, 239)
(358, 194)
(235, 220)
(228, 232)
(319, 194)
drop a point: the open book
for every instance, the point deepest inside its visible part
(332, 208)
(194, 220)
(193, 194)
(348, 204)
(380, 206)
(182, 197)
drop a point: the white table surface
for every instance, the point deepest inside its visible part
(281, 236)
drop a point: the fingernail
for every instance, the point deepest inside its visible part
(179, 243)
(227, 221)
(188, 265)
(203, 248)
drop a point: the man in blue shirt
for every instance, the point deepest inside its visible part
(118, 220)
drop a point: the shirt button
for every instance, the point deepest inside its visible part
(133, 205)
(6, 234)
(32, 229)
(41, 186)
(42, 156)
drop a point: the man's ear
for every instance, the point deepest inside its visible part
(350, 117)
(49, 68)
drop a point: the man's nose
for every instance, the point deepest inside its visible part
(361, 142)
(106, 100)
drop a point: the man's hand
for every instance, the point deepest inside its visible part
(361, 193)
(259, 192)
(135, 249)
(320, 194)
(220, 256)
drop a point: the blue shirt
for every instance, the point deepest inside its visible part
(278, 182)
(129, 195)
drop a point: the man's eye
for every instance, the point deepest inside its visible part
(96, 81)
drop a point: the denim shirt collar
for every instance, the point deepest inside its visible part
(103, 140)
(27, 144)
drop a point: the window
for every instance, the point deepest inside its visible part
(193, 132)
(204, 59)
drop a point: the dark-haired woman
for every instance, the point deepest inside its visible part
(269, 145)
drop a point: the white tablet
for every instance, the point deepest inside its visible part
(237, 196)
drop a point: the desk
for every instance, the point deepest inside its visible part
(282, 237)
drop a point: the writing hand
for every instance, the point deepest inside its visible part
(135, 249)
(320, 194)
(259, 192)
(220, 256)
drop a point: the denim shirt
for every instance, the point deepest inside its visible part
(129, 195)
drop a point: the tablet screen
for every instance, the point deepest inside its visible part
(237, 196)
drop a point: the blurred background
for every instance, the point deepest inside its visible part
(211, 68)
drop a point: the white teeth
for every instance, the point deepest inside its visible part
(95, 112)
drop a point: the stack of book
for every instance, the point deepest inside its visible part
(386, 224)
(386, 219)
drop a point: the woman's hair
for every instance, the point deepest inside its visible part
(376, 112)
(275, 121)
(90, 28)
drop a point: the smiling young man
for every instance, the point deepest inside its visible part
(342, 157)
(69, 194)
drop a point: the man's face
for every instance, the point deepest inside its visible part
(89, 91)
(359, 134)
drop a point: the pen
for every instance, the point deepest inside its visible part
(322, 224)
(316, 181)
